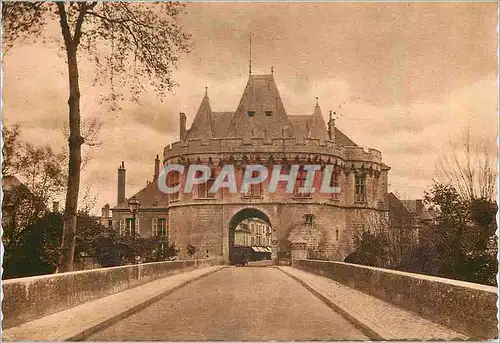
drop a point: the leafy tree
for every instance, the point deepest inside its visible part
(143, 43)
(371, 248)
(34, 176)
(35, 250)
(191, 250)
(464, 235)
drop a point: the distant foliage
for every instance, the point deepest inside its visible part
(464, 237)
(191, 250)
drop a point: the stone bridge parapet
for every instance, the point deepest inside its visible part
(466, 307)
(29, 298)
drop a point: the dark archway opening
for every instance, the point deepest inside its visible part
(250, 237)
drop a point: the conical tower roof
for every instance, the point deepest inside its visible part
(317, 125)
(260, 111)
(202, 123)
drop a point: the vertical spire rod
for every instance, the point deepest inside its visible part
(250, 59)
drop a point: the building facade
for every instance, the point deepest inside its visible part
(260, 131)
(252, 233)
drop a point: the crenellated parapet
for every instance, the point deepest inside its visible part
(265, 150)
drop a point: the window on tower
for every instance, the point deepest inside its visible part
(300, 183)
(173, 180)
(360, 195)
(334, 182)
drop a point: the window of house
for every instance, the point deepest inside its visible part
(122, 226)
(173, 180)
(129, 225)
(154, 227)
(162, 227)
(360, 195)
(300, 183)
(334, 182)
(251, 113)
(253, 241)
(337, 234)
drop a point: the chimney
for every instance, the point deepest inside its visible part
(121, 183)
(331, 127)
(157, 168)
(105, 216)
(55, 206)
(105, 212)
(182, 122)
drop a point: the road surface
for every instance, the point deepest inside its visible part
(237, 304)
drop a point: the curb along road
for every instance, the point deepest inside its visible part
(130, 311)
(358, 324)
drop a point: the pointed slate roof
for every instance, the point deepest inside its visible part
(317, 126)
(302, 125)
(202, 123)
(221, 122)
(260, 111)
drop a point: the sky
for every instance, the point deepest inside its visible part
(408, 77)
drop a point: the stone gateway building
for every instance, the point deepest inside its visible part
(260, 131)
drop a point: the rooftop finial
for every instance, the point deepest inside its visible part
(317, 101)
(272, 70)
(206, 91)
(250, 59)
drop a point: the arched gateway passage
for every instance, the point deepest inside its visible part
(250, 236)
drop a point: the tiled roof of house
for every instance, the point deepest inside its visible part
(399, 216)
(416, 207)
(149, 197)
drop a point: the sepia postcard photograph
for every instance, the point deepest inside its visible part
(249, 171)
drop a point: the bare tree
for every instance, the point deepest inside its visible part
(469, 164)
(142, 42)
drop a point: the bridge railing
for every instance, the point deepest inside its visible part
(466, 307)
(29, 298)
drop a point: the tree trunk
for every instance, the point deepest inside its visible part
(75, 158)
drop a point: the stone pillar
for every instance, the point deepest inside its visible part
(298, 250)
(274, 251)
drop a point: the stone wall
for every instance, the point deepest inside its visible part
(206, 225)
(29, 298)
(463, 306)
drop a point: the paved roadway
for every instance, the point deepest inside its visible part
(237, 304)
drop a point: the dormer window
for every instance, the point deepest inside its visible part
(268, 113)
(251, 113)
